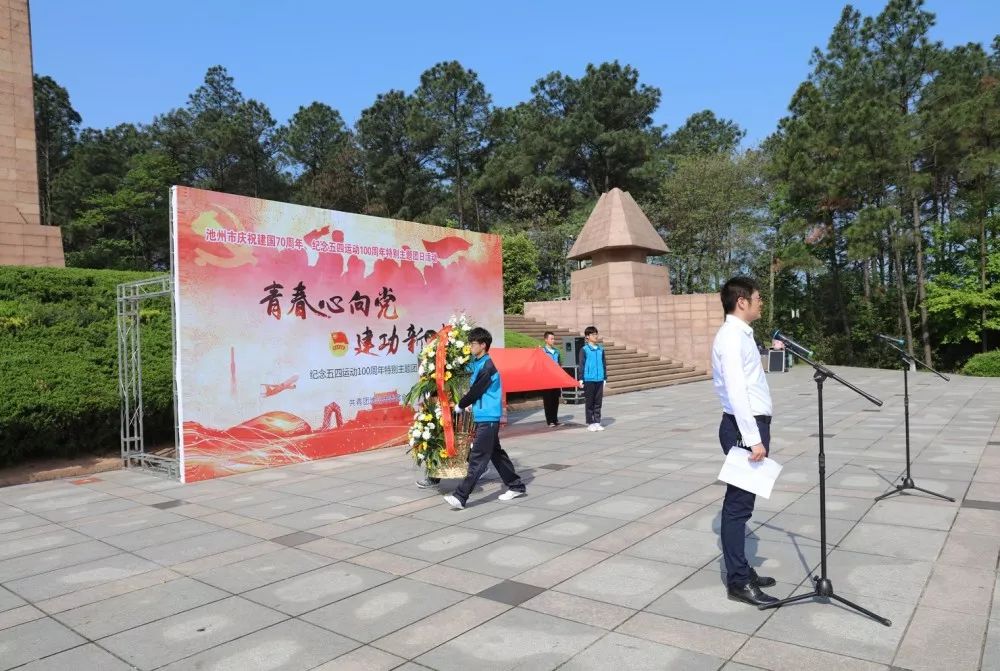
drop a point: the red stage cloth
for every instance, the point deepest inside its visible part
(529, 369)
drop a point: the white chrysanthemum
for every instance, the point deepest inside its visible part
(459, 343)
(427, 435)
(429, 426)
(447, 366)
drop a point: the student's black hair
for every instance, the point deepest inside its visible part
(590, 329)
(481, 336)
(429, 333)
(547, 334)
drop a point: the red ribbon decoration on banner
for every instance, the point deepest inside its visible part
(443, 399)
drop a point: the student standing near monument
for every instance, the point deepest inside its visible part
(550, 397)
(739, 381)
(593, 372)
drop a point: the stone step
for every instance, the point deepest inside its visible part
(657, 384)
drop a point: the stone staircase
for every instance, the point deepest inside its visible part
(628, 368)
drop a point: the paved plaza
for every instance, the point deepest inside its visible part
(611, 561)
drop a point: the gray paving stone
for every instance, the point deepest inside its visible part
(444, 544)
(874, 576)
(310, 518)
(50, 560)
(765, 654)
(81, 576)
(566, 500)
(626, 581)
(457, 579)
(702, 598)
(114, 524)
(510, 520)
(679, 546)
(991, 650)
(262, 570)
(800, 529)
(837, 507)
(291, 645)
(383, 609)
(508, 556)
(365, 658)
(971, 550)
(431, 631)
(961, 589)
(160, 535)
(312, 590)
(683, 634)
(34, 640)
(579, 609)
(572, 529)
(925, 515)
(39, 543)
(14, 523)
(168, 640)
(116, 614)
(939, 639)
(389, 532)
(9, 600)
(623, 507)
(894, 541)
(543, 642)
(619, 650)
(195, 547)
(835, 628)
(79, 659)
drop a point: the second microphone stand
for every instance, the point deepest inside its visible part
(907, 480)
(822, 586)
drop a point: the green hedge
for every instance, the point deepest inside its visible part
(516, 339)
(985, 364)
(58, 363)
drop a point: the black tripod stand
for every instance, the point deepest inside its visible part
(822, 587)
(907, 483)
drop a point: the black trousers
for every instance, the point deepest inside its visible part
(550, 401)
(485, 449)
(737, 507)
(593, 394)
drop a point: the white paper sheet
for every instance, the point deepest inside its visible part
(754, 476)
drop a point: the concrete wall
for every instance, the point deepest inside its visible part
(619, 279)
(23, 241)
(678, 327)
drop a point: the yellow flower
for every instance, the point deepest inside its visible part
(466, 350)
(443, 454)
(423, 445)
(447, 376)
(426, 417)
(434, 375)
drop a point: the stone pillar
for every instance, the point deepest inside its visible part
(23, 240)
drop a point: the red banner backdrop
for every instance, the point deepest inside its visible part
(299, 328)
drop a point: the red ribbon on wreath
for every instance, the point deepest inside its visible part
(444, 400)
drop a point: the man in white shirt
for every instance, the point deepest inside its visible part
(739, 381)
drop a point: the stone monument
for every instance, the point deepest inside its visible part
(23, 240)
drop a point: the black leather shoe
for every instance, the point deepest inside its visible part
(760, 581)
(750, 594)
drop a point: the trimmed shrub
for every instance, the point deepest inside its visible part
(984, 364)
(59, 363)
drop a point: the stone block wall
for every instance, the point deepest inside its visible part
(678, 327)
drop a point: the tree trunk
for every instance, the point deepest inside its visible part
(982, 276)
(901, 286)
(918, 239)
(770, 293)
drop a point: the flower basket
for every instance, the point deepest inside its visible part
(438, 441)
(457, 466)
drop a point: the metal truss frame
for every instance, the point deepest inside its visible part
(130, 296)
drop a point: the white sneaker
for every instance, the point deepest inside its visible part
(592, 427)
(599, 427)
(453, 501)
(511, 494)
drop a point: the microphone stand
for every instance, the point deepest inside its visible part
(822, 586)
(907, 483)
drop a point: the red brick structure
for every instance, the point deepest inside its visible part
(23, 240)
(627, 299)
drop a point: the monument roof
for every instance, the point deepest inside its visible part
(616, 222)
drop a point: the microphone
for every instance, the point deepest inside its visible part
(778, 335)
(894, 341)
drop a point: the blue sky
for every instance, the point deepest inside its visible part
(128, 60)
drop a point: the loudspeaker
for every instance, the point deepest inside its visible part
(571, 349)
(776, 361)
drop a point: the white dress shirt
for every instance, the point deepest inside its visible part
(739, 378)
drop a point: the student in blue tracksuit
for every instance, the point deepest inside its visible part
(550, 397)
(485, 396)
(592, 369)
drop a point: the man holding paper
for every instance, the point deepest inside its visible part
(739, 381)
